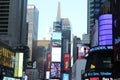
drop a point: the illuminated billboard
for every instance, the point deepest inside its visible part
(48, 62)
(82, 50)
(94, 78)
(105, 29)
(57, 26)
(10, 78)
(56, 54)
(66, 61)
(56, 39)
(6, 57)
(55, 70)
(65, 76)
(18, 65)
(47, 74)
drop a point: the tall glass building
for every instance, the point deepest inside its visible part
(32, 14)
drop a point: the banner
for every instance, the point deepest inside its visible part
(48, 62)
(66, 61)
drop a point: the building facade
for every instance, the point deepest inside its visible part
(13, 26)
(94, 7)
(32, 14)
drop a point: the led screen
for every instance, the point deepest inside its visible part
(56, 54)
(82, 50)
(48, 62)
(94, 78)
(47, 74)
(56, 39)
(65, 76)
(55, 70)
(10, 78)
(66, 61)
(57, 26)
(105, 29)
(18, 65)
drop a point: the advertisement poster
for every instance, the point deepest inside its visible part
(48, 62)
(56, 39)
(82, 50)
(55, 70)
(66, 61)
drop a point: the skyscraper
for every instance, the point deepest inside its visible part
(94, 7)
(13, 26)
(32, 14)
(61, 47)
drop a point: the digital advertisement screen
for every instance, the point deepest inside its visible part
(56, 54)
(82, 50)
(94, 78)
(48, 62)
(105, 29)
(57, 26)
(18, 65)
(66, 61)
(10, 78)
(56, 39)
(55, 70)
(47, 74)
(65, 76)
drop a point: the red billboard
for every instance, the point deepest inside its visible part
(48, 62)
(66, 62)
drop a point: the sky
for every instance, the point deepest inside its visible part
(74, 10)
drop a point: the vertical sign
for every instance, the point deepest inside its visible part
(66, 61)
(18, 65)
(48, 62)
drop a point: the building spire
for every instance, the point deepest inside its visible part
(58, 12)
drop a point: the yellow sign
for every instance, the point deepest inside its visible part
(92, 66)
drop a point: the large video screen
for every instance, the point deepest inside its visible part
(56, 54)
(56, 39)
(82, 50)
(55, 70)
(65, 76)
(66, 62)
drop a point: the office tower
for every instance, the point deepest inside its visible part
(76, 41)
(115, 7)
(32, 14)
(60, 47)
(13, 26)
(66, 35)
(100, 59)
(94, 7)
